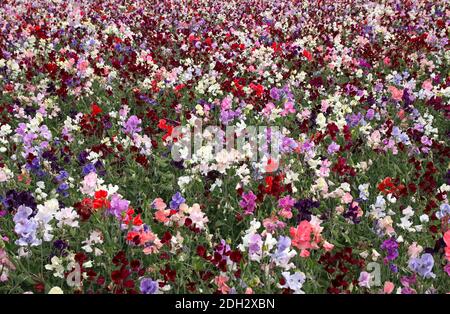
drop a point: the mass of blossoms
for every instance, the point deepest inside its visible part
(97, 95)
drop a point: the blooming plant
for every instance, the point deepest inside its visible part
(240, 146)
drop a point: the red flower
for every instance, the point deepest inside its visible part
(307, 54)
(386, 186)
(168, 273)
(39, 287)
(258, 89)
(236, 256)
(101, 194)
(137, 221)
(95, 109)
(201, 251)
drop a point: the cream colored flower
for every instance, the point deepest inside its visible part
(56, 290)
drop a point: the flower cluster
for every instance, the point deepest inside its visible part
(119, 173)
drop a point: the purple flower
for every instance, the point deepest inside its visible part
(14, 199)
(148, 286)
(423, 265)
(352, 213)
(393, 268)
(283, 243)
(62, 189)
(286, 202)
(118, 205)
(307, 146)
(447, 269)
(288, 145)
(59, 247)
(82, 157)
(62, 176)
(408, 281)
(332, 148)
(176, 201)
(294, 281)
(354, 119)
(391, 247)
(275, 93)
(248, 203)
(255, 245)
(222, 248)
(132, 125)
(408, 290)
(370, 114)
(88, 169)
(304, 207)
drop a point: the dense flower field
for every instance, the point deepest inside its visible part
(101, 190)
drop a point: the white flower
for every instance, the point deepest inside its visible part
(5, 174)
(424, 218)
(294, 282)
(67, 217)
(96, 237)
(56, 266)
(45, 215)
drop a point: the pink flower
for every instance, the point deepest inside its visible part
(159, 204)
(82, 66)
(304, 253)
(162, 215)
(414, 250)
(285, 213)
(388, 287)
(268, 109)
(347, 198)
(301, 236)
(286, 204)
(328, 246)
(272, 223)
(221, 282)
(427, 85)
(324, 106)
(447, 243)
(272, 165)
(89, 184)
(288, 108)
(226, 103)
(396, 93)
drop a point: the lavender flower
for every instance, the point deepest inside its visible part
(148, 286)
(255, 247)
(294, 281)
(423, 265)
(444, 210)
(364, 279)
(332, 148)
(283, 254)
(25, 227)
